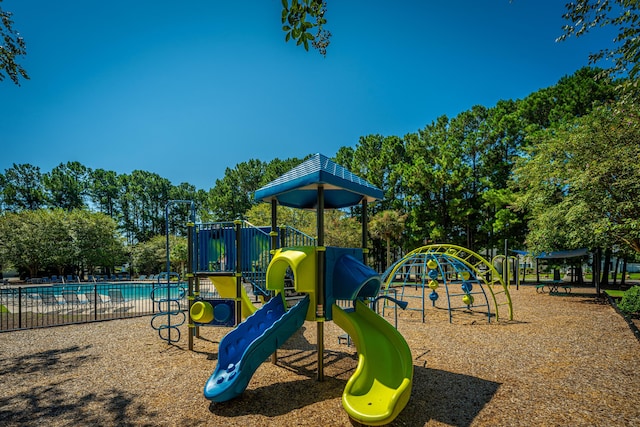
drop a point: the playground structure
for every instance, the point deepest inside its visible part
(470, 282)
(232, 256)
(319, 280)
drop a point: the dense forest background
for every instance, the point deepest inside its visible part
(556, 170)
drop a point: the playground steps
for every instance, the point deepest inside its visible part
(255, 292)
(251, 291)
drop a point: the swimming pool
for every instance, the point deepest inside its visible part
(130, 290)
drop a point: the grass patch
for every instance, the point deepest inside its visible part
(614, 293)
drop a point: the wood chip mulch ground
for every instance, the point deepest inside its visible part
(565, 360)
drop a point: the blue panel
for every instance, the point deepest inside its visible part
(256, 244)
(217, 248)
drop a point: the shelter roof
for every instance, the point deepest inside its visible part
(298, 188)
(574, 253)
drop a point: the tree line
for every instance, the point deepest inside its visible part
(557, 170)
(541, 173)
(55, 242)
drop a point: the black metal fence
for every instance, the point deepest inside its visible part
(29, 306)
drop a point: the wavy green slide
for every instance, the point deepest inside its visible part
(381, 385)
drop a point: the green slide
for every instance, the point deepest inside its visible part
(381, 385)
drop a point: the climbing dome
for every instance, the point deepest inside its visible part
(470, 282)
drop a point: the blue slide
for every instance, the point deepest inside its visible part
(244, 349)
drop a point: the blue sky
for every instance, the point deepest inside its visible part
(187, 89)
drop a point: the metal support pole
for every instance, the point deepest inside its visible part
(365, 250)
(190, 270)
(274, 245)
(274, 225)
(196, 293)
(196, 290)
(168, 269)
(505, 265)
(238, 226)
(321, 258)
(20, 307)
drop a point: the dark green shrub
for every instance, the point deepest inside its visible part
(630, 301)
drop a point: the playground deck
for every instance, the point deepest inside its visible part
(466, 373)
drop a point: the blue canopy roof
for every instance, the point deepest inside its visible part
(298, 188)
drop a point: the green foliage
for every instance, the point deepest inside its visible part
(451, 177)
(67, 185)
(232, 196)
(387, 225)
(300, 17)
(499, 202)
(142, 205)
(573, 96)
(52, 240)
(26, 243)
(379, 160)
(178, 253)
(584, 15)
(581, 179)
(13, 47)
(22, 188)
(95, 239)
(301, 220)
(342, 230)
(150, 257)
(104, 190)
(630, 302)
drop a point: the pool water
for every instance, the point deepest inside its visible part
(130, 291)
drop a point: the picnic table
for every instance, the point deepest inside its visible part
(553, 286)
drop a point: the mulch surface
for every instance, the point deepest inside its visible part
(564, 360)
